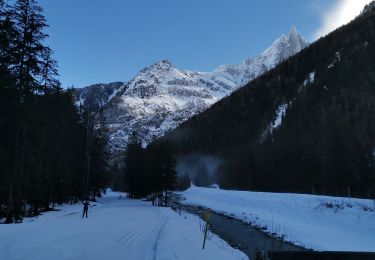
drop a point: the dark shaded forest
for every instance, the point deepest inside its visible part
(325, 143)
(50, 151)
(150, 172)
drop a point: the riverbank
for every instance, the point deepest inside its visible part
(246, 238)
(320, 223)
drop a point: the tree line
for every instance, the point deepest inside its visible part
(51, 151)
(150, 172)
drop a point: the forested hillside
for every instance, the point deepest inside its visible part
(50, 151)
(306, 126)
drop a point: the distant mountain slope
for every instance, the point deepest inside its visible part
(160, 97)
(101, 93)
(307, 125)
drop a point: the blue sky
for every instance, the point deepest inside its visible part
(101, 41)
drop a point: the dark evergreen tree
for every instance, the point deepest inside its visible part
(134, 168)
(43, 149)
(99, 176)
(33, 65)
(167, 167)
(150, 171)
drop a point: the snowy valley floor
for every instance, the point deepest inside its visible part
(317, 222)
(116, 229)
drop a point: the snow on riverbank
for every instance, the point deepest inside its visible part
(318, 222)
(116, 229)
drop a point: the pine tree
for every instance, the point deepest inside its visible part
(162, 170)
(48, 71)
(31, 58)
(134, 167)
(7, 104)
(99, 175)
(7, 36)
(45, 144)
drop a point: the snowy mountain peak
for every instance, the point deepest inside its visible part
(293, 32)
(283, 48)
(296, 41)
(164, 64)
(153, 80)
(160, 97)
(158, 67)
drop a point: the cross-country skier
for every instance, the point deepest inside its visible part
(85, 208)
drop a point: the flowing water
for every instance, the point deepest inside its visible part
(244, 237)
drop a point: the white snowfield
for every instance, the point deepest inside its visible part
(116, 229)
(318, 222)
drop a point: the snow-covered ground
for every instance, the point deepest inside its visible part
(116, 229)
(317, 222)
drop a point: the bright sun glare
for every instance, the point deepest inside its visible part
(341, 13)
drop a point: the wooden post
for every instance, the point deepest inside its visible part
(207, 218)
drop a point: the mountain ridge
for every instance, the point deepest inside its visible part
(306, 126)
(161, 96)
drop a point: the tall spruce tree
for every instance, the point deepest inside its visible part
(99, 175)
(134, 168)
(44, 147)
(33, 64)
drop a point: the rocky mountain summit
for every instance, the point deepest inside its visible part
(160, 97)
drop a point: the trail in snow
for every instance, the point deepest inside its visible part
(115, 229)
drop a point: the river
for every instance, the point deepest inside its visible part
(247, 238)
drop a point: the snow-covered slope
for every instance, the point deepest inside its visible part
(319, 222)
(101, 94)
(115, 229)
(161, 97)
(155, 101)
